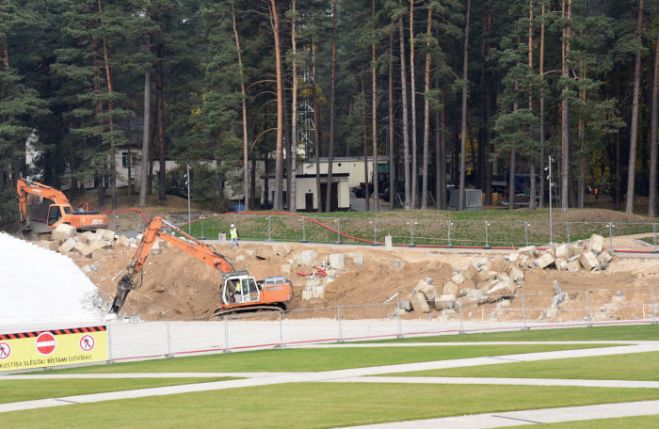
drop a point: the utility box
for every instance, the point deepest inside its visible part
(473, 199)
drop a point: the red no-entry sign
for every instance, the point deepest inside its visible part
(46, 343)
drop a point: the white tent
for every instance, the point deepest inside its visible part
(39, 286)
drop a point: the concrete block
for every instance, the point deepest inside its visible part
(264, 253)
(62, 232)
(68, 245)
(470, 272)
(357, 258)
(388, 242)
(88, 237)
(523, 261)
(544, 261)
(405, 305)
(573, 266)
(588, 260)
(105, 234)
(475, 295)
(450, 288)
(419, 302)
(457, 277)
(337, 261)
(100, 244)
(562, 252)
(596, 243)
(445, 302)
(484, 276)
(84, 249)
(575, 250)
(561, 264)
(502, 289)
(512, 257)
(528, 250)
(50, 245)
(516, 275)
(427, 289)
(604, 258)
(306, 257)
(286, 269)
(122, 241)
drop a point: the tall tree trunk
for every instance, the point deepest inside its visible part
(652, 204)
(243, 94)
(565, 124)
(108, 79)
(330, 159)
(463, 132)
(374, 110)
(99, 110)
(541, 74)
(513, 166)
(160, 121)
(406, 138)
(426, 114)
(441, 165)
(415, 169)
(390, 106)
(532, 196)
(633, 133)
(5, 57)
(581, 132)
(365, 145)
(292, 206)
(278, 202)
(144, 166)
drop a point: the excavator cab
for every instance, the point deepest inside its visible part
(54, 214)
(240, 289)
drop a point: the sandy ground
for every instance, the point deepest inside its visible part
(175, 286)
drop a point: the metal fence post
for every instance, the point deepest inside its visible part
(109, 343)
(412, 223)
(338, 319)
(487, 238)
(169, 338)
(611, 226)
(523, 310)
(567, 229)
(462, 319)
(654, 234)
(449, 233)
(201, 225)
(304, 231)
(338, 230)
(226, 333)
(269, 228)
(400, 323)
(587, 308)
(375, 231)
(653, 304)
(281, 330)
(526, 233)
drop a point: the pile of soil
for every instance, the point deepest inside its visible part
(176, 286)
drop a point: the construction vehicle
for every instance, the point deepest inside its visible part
(239, 291)
(59, 212)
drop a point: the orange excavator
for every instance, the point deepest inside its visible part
(240, 291)
(59, 212)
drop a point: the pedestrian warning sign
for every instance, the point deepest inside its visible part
(41, 349)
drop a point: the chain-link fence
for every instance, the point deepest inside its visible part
(343, 323)
(424, 232)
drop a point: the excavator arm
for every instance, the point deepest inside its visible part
(25, 187)
(188, 244)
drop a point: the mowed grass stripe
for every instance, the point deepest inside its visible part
(598, 333)
(314, 405)
(28, 390)
(641, 422)
(325, 359)
(634, 366)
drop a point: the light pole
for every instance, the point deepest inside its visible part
(187, 181)
(551, 222)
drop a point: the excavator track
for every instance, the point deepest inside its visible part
(220, 312)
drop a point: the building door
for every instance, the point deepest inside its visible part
(334, 202)
(308, 201)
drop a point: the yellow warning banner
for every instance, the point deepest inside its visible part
(41, 349)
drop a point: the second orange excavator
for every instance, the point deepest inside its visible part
(239, 291)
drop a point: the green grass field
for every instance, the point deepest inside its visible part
(644, 422)
(505, 228)
(314, 405)
(27, 390)
(302, 360)
(599, 333)
(635, 366)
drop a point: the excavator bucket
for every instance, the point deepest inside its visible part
(125, 285)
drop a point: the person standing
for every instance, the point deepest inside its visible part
(233, 235)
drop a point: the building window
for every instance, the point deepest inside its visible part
(134, 159)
